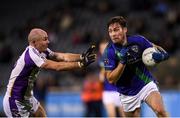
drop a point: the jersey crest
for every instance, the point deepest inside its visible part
(106, 61)
(133, 55)
(135, 48)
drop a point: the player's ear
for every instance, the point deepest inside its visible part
(125, 29)
(33, 42)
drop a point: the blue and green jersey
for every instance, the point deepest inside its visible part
(135, 75)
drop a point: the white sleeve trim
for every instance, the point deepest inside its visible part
(35, 56)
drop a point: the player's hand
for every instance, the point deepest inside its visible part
(122, 55)
(88, 52)
(161, 55)
(87, 60)
(88, 57)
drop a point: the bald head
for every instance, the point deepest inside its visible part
(36, 34)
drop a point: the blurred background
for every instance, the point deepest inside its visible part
(73, 25)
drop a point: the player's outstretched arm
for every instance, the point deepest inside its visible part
(63, 65)
(60, 66)
(68, 57)
(71, 57)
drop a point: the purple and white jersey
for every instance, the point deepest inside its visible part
(25, 72)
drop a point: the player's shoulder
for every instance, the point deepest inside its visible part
(32, 50)
(136, 37)
(109, 49)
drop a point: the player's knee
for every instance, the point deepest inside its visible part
(40, 112)
(161, 112)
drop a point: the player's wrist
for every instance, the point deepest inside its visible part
(81, 56)
(158, 57)
(122, 62)
(80, 64)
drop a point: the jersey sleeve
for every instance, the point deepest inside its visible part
(49, 53)
(36, 58)
(109, 59)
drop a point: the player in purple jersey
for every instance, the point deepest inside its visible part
(19, 100)
(111, 99)
(124, 67)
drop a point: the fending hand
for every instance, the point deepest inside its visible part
(89, 51)
(88, 57)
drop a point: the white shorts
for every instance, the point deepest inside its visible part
(15, 108)
(111, 97)
(130, 103)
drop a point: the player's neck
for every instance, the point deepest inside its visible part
(124, 43)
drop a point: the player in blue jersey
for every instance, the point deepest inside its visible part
(111, 99)
(19, 100)
(124, 67)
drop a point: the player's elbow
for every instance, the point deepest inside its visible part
(51, 65)
(110, 80)
(109, 77)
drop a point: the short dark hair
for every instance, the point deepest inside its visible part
(117, 19)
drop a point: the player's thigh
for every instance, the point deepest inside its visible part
(40, 112)
(121, 111)
(135, 113)
(110, 108)
(154, 100)
(37, 109)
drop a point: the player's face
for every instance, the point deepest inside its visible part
(117, 33)
(42, 43)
